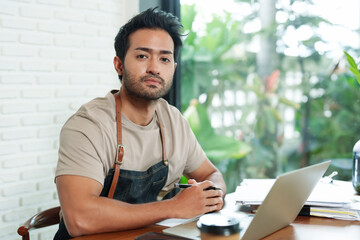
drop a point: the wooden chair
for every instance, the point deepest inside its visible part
(42, 219)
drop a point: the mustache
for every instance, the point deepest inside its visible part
(144, 78)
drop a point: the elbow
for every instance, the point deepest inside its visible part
(77, 224)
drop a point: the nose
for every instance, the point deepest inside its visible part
(153, 67)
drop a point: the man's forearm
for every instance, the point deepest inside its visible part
(85, 212)
(101, 214)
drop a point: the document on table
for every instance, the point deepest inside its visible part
(334, 200)
(172, 222)
(188, 230)
(336, 194)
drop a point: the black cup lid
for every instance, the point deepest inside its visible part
(218, 224)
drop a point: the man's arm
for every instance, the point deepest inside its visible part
(85, 212)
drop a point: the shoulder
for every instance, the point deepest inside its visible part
(165, 108)
(97, 110)
(94, 117)
(171, 116)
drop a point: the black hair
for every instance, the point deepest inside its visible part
(151, 18)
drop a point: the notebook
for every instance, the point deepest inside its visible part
(279, 208)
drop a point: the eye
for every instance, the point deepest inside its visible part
(164, 59)
(141, 56)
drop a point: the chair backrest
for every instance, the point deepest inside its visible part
(42, 219)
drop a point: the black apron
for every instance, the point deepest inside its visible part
(130, 186)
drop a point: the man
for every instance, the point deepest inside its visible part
(121, 155)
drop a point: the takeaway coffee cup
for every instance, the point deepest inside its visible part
(216, 226)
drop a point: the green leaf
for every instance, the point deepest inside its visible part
(355, 71)
(289, 103)
(217, 147)
(351, 60)
(353, 66)
(193, 118)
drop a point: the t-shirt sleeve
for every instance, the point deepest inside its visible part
(196, 155)
(78, 155)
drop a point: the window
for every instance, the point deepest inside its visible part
(272, 76)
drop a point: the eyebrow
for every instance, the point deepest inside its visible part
(152, 50)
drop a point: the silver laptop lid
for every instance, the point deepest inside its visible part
(284, 200)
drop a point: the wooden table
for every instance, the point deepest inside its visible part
(303, 228)
(124, 235)
(307, 228)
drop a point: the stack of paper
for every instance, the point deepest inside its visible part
(336, 212)
(335, 194)
(335, 200)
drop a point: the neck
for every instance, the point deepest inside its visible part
(139, 111)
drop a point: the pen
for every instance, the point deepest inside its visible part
(181, 185)
(329, 179)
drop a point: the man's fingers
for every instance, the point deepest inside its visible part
(214, 201)
(213, 193)
(213, 208)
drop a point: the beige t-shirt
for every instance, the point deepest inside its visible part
(88, 142)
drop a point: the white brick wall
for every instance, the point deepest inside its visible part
(54, 56)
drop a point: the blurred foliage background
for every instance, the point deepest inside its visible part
(289, 105)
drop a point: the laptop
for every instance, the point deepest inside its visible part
(279, 208)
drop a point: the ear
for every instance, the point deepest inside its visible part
(118, 65)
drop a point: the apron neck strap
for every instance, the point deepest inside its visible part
(120, 147)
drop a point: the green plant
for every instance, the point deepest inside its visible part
(334, 122)
(207, 55)
(210, 56)
(353, 66)
(217, 147)
(264, 134)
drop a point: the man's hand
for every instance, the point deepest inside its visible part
(197, 200)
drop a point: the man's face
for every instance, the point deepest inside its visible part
(149, 65)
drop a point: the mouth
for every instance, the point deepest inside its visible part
(153, 81)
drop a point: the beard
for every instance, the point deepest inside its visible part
(137, 88)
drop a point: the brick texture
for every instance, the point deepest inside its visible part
(54, 56)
